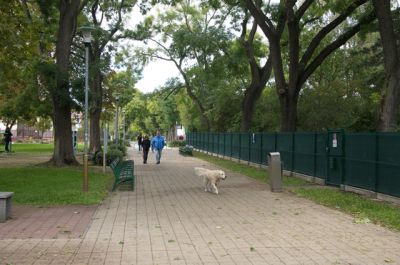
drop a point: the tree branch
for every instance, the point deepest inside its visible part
(309, 70)
(262, 20)
(327, 29)
(303, 8)
(115, 28)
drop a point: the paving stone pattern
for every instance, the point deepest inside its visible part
(169, 219)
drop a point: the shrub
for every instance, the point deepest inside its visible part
(176, 143)
(186, 150)
(112, 154)
(98, 158)
(120, 147)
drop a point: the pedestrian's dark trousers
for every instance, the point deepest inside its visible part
(145, 155)
(7, 145)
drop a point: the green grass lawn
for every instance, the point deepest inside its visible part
(256, 173)
(31, 148)
(35, 148)
(363, 209)
(53, 186)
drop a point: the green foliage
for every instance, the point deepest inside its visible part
(344, 95)
(186, 150)
(176, 143)
(112, 154)
(120, 146)
(53, 186)
(24, 38)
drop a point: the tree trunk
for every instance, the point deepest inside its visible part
(63, 150)
(252, 94)
(95, 143)
(95, 112)
(390, 102)
(288, 112)
(389, 110)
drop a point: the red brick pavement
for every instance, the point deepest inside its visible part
(50, 222)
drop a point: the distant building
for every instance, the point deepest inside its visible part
(22, 131)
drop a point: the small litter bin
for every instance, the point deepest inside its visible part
(275, 171)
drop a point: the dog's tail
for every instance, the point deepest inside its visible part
(199, 171)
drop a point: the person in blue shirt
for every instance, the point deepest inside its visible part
(158, 143)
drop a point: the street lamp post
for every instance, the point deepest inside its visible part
(116, 120)
(87, 38)
(124, 132)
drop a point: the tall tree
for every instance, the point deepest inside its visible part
(63, 150)
(259, 74)
(20, 27)
(192, 37)
(390, 102)
(300, 66)
(107, 18)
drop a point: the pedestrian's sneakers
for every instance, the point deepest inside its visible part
(158, 162)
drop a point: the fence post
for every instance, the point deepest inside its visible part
(293, 149)
(315, 154)
(376, 173)
(250, 136)
(261, 150)
(223, 155)
(231, 146)
(240, 147)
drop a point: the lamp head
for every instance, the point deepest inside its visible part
(86, 33)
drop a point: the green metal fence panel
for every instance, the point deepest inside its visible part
(210, 142)
(196, 140)
(213, 142)
(371, 160)
(360, 160)
(388, 164)
(192, 140)
(200, 137)
(320, 155)
(236, 145)
(304, 150)
(221, 143)
(245, 146)
(204, 139)
(228, 145)
(284, 146)
(256, 148)
(268, 145)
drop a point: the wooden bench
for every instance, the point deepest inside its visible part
(5, 205)
(186, 150)
(123, 172)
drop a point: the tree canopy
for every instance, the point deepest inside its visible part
(244, 65)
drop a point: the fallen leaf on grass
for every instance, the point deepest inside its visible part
(362, 220)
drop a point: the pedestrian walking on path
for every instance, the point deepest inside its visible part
(139, 141)
(146, 147)
(158, 144)
(7, 139)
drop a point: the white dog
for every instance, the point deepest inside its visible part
(211, 178)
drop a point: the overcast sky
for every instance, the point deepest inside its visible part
(155, 74)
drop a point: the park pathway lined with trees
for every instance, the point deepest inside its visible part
(169, 219)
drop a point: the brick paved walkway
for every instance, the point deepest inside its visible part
(169, 219)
